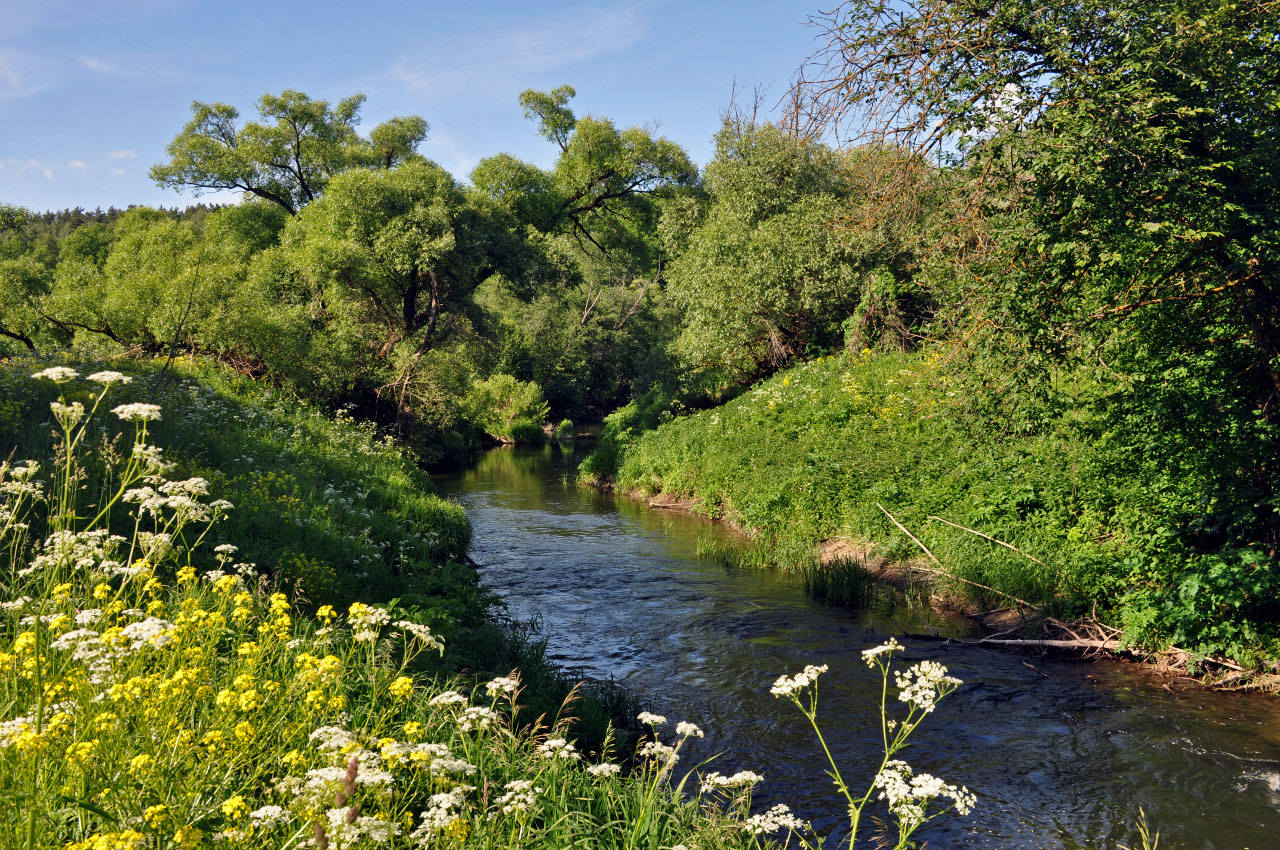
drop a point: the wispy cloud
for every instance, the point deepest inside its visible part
(123, 155)
(494, 59)
(75, 163)
(119, 172)
(21, 74)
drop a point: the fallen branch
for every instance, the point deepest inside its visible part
(989, 537)
(1102, 645)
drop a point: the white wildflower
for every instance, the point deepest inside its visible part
(604, 768)
(443, 809)
(870, 655)
(67, 414)
(650, 719)
(908, 796)
(476, 717)
(152, 631)
(520, 796)
(924, 684)
(422, 634)
(557, 748)
(779, 817)
(57, 374)
(688, 730)
(331, 738)
(502, 685)
(786, 686)
(108, 377)
(448, 698)
(137, 412)
(659, 752)
(269, 815)
(742, 779)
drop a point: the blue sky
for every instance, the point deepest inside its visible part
(91, 92)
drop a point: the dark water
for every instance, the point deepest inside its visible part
(1060, 754)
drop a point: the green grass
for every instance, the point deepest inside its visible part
(1095, 508)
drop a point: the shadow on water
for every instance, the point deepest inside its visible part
(1060, 754)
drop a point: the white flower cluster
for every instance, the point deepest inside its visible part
(502, 685)
(443, 809)
(108, 377)
(365, 622)
(648, 718)
(422, 634)
(685, 729)
(269, 816)
(137, 412)
(557, 748)
(76, 550)
(448, 698)
(18, 481)
(924, 684)
(331, 738)
(890, 646)
(786, 686)
(715, 781)
(659, 752)
(57, 374)
(153, 632)
(10, 730)
(908, 795)
(476, 717)
(67, 414)
(779, 817)
(520, 796)
(346, 830)
(603, 769)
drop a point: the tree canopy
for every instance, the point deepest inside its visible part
(290, 155)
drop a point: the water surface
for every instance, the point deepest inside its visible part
(1061, 754)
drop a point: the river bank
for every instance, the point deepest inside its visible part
(883, 454)
(841, 568)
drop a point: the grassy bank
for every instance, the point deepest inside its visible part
(1103, 518)
(160, 689)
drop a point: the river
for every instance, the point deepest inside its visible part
(1061, 754)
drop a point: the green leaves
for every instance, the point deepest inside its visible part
(287, 158)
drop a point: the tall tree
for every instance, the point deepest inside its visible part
(290, 155)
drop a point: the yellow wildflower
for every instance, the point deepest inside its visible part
(155, 815)
(235, 808)
(139, 765)
(401, 688)
(186, 575)
(188, 837)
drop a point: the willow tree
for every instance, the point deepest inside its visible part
(395, 254)
(290, 155)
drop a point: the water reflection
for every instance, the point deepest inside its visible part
(1061, 754)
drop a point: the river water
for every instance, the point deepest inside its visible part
(1061, 754)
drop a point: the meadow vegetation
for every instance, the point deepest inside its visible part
(163, 691)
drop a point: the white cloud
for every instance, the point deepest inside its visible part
(75, 163)
(119, 172)
(122, 155)
(22, 74)
(495, 59)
